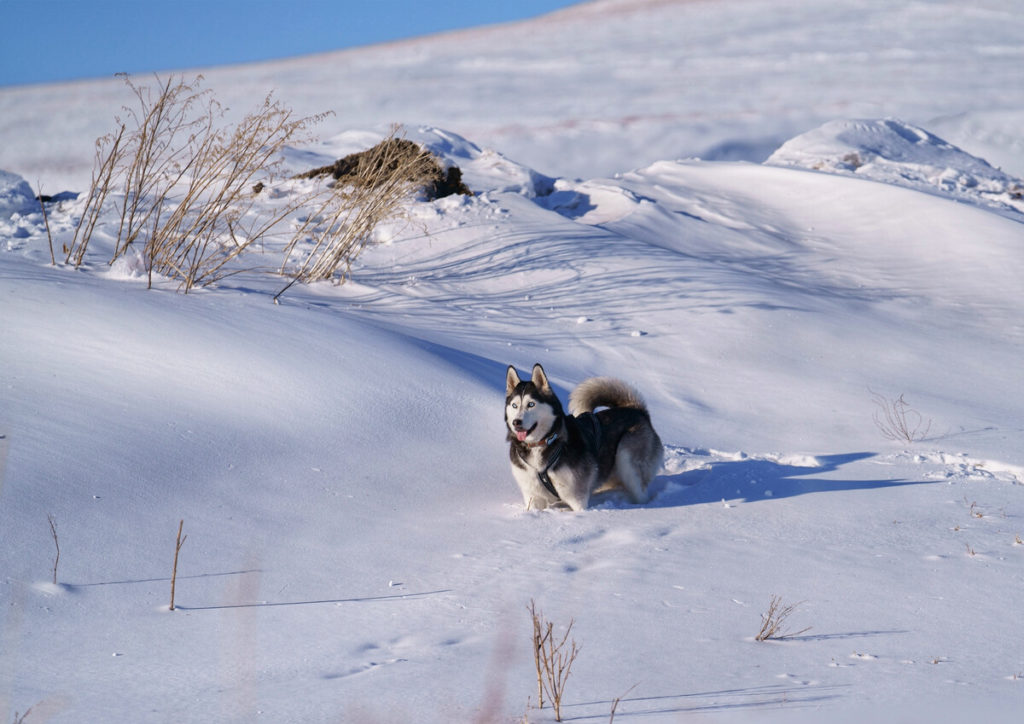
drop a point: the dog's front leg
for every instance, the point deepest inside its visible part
(535, 497)
(574, 491)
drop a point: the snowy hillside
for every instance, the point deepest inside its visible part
(356, 547)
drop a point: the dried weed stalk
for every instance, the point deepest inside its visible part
(185, 181)
(553, 659)
(897, 420)
(46, 223)
(616, 701)
(773, 621)
(56, 543)
(177, 549)
(110, 154)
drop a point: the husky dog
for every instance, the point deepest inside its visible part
(558, 460)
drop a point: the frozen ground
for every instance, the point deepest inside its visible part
(356, 547)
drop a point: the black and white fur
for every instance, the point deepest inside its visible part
(558, 460)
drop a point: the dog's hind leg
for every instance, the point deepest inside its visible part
(632, 475)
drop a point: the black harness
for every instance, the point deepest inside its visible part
(543, 476)
(591, 431)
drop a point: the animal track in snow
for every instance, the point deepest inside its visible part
(943, 465)
(362, 668)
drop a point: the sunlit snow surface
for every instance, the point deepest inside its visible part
(356, 548)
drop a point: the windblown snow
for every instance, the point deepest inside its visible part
(356, 547)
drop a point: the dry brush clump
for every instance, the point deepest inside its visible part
(181, 181)
(187, 190)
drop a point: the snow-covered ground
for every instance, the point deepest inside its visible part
(356, 546)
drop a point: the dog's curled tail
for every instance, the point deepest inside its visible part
(604, 392)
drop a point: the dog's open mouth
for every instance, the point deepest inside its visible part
(521, 434)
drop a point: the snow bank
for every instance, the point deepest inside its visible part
(16, 201)
(15, 195)
(894, 152)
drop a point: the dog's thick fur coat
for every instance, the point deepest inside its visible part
(559, 460)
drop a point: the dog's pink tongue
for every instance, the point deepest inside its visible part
(521, 434)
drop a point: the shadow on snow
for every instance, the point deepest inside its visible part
(753, 480)
(757, 697)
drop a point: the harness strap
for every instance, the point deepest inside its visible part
(594, 433)
(543, 476)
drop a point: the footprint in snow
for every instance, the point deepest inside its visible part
(362, 669)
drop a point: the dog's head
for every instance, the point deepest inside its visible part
(531, 407)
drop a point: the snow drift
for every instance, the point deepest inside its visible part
(356, 548)
(899, 153)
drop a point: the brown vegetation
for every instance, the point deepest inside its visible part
(391, 155)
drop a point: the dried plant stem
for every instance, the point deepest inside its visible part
(897, 420)
(615, 703)
(56, 544)
(554, 659)
(46, 222)
(177, 549)
(107, 162)
(539, 639)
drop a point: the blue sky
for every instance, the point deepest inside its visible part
(56, 40)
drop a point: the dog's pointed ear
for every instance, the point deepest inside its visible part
(511, 380)
(540, 379)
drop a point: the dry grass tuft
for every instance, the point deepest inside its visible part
(898, 421)
(773, 621)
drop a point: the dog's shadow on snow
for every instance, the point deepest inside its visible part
(751, 480)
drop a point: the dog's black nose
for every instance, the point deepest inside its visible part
(517, 423)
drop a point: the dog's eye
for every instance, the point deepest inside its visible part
(515, 405)
(531, 404)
